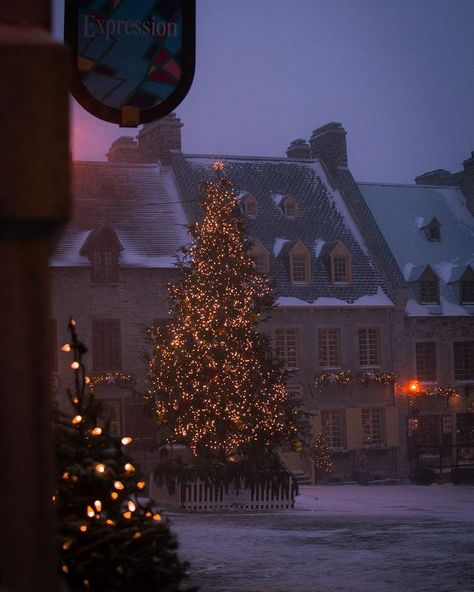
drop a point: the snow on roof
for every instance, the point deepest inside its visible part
(278, 245)
(378, 299)
(318, 246)
(401, 211)
(277, 198)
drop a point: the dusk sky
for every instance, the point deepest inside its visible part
(396, 73)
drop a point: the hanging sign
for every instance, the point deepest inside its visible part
(133, 60)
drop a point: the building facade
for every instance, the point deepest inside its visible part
(348, 323)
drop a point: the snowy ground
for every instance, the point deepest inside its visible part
(345, 538)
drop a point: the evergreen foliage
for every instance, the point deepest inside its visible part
(213, 380)
(110, 540)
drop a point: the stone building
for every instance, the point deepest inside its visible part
(343, 323)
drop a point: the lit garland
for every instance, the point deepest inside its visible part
(346, 377)
(432, 392)
(118, 378)
(212, 378)
(100, 516)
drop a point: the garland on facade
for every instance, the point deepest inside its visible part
(438, 392)
(346, 377)
(118, 378)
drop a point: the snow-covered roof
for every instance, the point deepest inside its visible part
(139, 202)
(401, 212)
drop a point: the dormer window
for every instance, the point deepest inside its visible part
(429, 291)
(433, 230)
(102, 247)
(340, 258)
(290, 207)
(259, 254)
(300, 267)
(250, 206)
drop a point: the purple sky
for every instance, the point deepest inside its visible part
(397, 74)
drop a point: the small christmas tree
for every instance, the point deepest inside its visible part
(213, 379)
(321, 456)
(110, 540)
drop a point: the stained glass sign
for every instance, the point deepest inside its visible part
(133, 59)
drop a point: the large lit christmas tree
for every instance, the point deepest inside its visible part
(213, 378)
(111, 539)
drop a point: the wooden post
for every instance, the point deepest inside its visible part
(34, 203)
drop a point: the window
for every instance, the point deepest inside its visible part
(112, 415)
(286, 347)
(329, 346)
(429, 292)
(290, 208)
(259, 254)
(426, 361)
(433, 230)
(467, 292)
(369, 347)
(464, 360)
(104, 266)
(340, 261)
(106, 345)
(373, 426)
(298, 268)
(340, 269)
(250, 206)
(333, 428)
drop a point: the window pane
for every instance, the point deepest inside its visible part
(329, 348)
(373, 426)
(298, 268)
(467, 292)
(340, 269)
(333, 428)
(104, 267)
(106, 345)
(286, 347)
(368, 347)
(426, 361)
(429, 292)
(464, 360)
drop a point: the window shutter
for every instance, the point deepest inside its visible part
(354, 428)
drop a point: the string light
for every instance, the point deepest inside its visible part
(114, 495)
(77, 419)
(126, 440)
(141, 484)
(129, 468)
(127, 515)
(66, 347)
(96, 431)
(98, 505)
(75, 365)
(90, 511)
(100, 468)
(157, 517)
(131, 506)
(83, 528)
(346, 377)
(118, 485)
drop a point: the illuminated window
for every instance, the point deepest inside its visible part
(106, 345)
(369, 347)
(250, 206)
(329, 348)
(373, 426)
(290, 207)
(333, 428)
(286, 347)
(467, 292)
(429, 292)
(464, 360)
(426, 361)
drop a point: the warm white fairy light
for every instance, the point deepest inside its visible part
(126, 440)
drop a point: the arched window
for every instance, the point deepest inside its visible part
(103, 247)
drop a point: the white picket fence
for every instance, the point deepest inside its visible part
(201, 497)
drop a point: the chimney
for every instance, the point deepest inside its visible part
(156, 139)
(467, 182)
(328, 143)
(299, 149)
(436, 177)
(124, 149)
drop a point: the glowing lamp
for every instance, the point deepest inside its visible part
(100, 468)
(65, 569)
(114, 495)
(75, 365)
(131, 506)
(413, 386)
(127, 515)
(141, 484)
(90, 511)
(77, 419)
(96, 431)
(129, 468)
(98, 505)
(83, 528)
(156, 517)
(118, 485)
(66, 347)
(126, 440)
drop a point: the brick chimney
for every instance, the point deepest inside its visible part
(156, 139)
(124, 149)
(328, 143)
(436, 177)
(467, 182)
(299, 149)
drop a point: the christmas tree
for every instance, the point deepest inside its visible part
(212, 376)
(111, 540)
(321, 456)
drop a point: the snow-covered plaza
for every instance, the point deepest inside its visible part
(340, 538)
